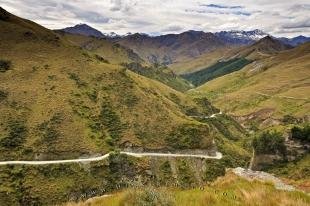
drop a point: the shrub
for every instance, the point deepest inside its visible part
(4, 65)
(165, 172)
(186, 136)
(214, 169)
(288, 119)
(185, 174)
(301, 133)
(3, 95)
(101, 59)
(77, 80)
(111, 121)
(269, 142)
(48, 130)
(17, 134)
(147, 197)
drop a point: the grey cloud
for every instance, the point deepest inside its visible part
(300, 7)
(117, 5)
(206, 11)
(218, 6)
(300, 24)
(173, 28)
(89, 16)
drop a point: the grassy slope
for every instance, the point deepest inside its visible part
(71, 104)
(229, 190)
(110, 51)
(117, 54)
(61, 103)
(56, 78)
(265, 83)
(198, 63)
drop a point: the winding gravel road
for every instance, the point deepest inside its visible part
(207, 117)
(93, 159)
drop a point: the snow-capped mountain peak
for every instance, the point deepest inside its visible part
(241, 37)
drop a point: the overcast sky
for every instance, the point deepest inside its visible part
(277, 17)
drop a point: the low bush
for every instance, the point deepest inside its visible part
(48, 129)
(214, 169)
(16, 136)
(301, 133)
(185, 175)
(111, 121)
(270, 142)
(101, 59)
(147, 197)
(77, 80)
(3, 95)
(5, 65)
(187, 136)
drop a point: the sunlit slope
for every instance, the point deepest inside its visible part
(227, 60)
(57, 102)
(200, 62)
(280, 83)
(263, 48)
(109, 52)
(112, 52)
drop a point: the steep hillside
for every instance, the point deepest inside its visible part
(170, 48)
(262, 48)
(57, 101)
(200, 62)
(269, 87)
(232, 60)
(109, 51)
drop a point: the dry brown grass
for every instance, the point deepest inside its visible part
(226, 191)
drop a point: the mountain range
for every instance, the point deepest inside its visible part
(238, 37)
(175, 48)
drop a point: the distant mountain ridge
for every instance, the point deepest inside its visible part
(235, 37)
(295, 41)
(84, 29)
(175, 48)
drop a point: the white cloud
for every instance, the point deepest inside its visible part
(277, 17)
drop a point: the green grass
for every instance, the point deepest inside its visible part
(217, 70)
